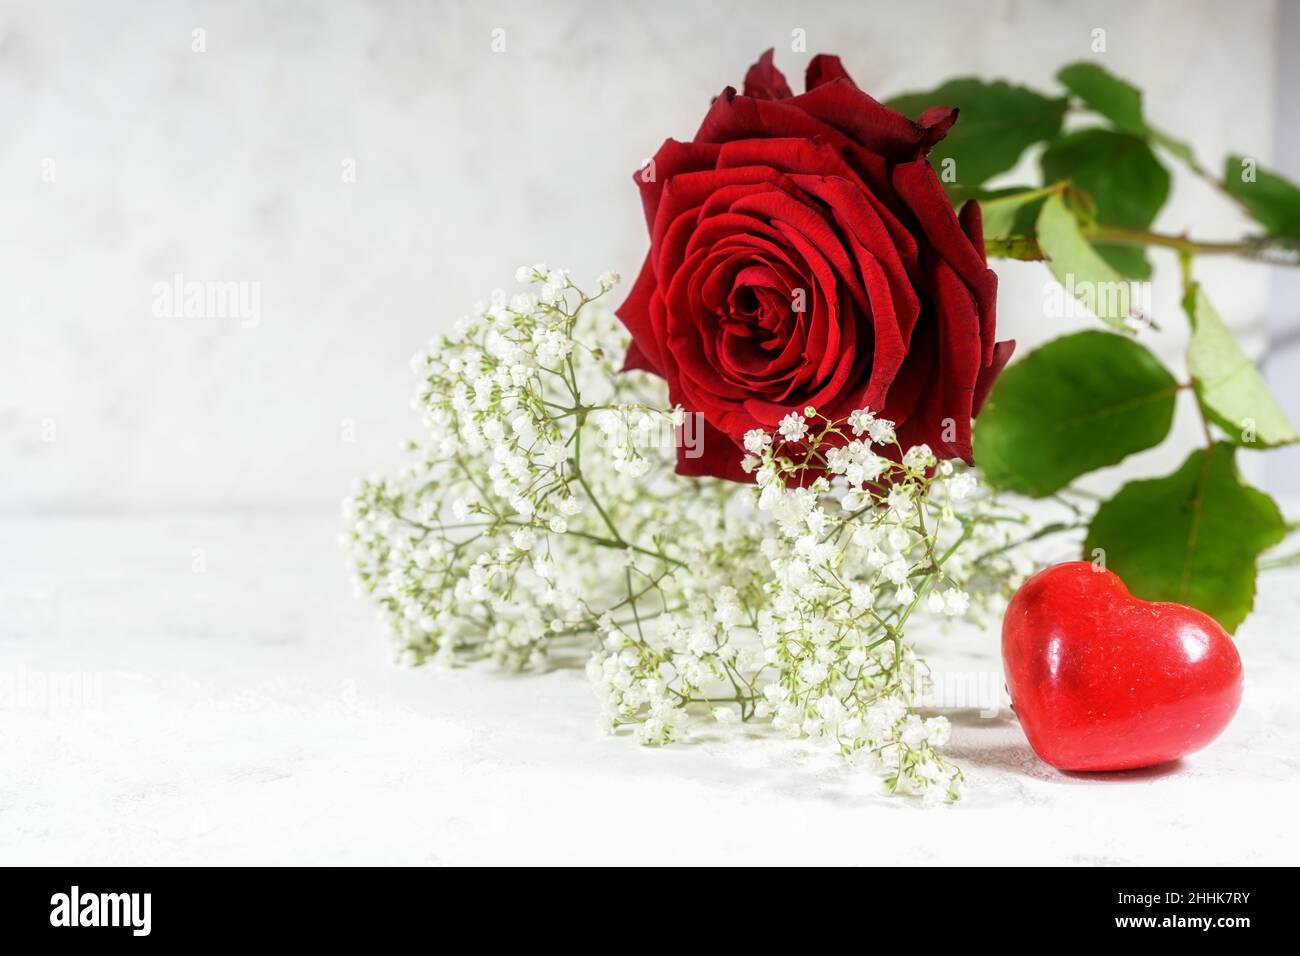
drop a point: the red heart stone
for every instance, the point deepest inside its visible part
(1104, 681)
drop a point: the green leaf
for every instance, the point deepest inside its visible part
(996, 124)
(1081, 270)
(1193, 537)
(1120, 102)
(1117, 100)
(1117, 170)
(1228, 385)
(1009, 212)
(1076, 404)
(1024, 248)
(1128, 261)
(1272, 200)
(1125, 180)
(1123, 177)
(1176, 147)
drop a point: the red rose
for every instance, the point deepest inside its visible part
(802, 252)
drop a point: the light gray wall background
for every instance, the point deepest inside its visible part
(1282, 355)
(227, 165)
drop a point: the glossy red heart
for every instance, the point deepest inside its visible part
(1104, 681)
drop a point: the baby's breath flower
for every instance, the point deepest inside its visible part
(793, 427)
(881, 431)
(956, 602)
(961, 486)
(543, 510)
(757, 441)
(860, 420)
(919, 457)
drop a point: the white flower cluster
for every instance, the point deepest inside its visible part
(544, 511)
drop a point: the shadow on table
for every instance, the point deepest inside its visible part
(1019, 758)
(996, 743)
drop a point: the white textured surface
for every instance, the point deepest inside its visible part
(252, 714)
(226, 166)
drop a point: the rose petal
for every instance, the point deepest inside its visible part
(718, 456)
(971, 220)
(635, 315)
(672, 159)
(765, 81)
(935, 122)
(919, 187)
(989, 373)
(866, 121)
(822, 69)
